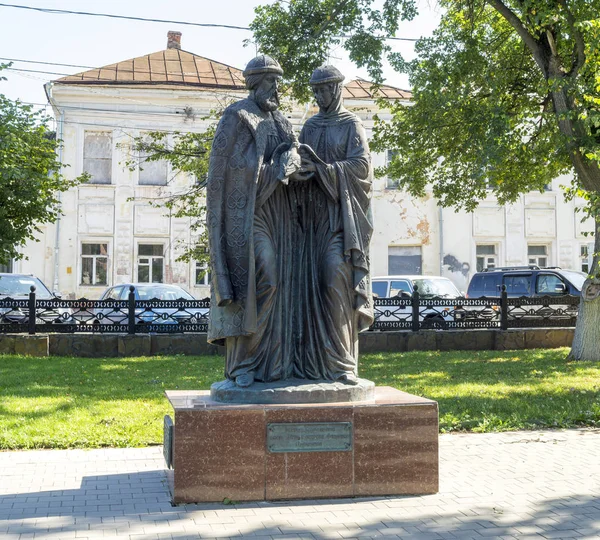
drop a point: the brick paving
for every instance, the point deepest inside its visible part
(543, 484)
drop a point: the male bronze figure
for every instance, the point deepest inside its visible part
(248, 220)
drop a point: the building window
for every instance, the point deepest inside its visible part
(94, 264)
(6, 268)
(150, 263)
(389, 157)
(537, 255)
(586, 252)
(486, 256)
(97, 156)
(152, 173)
(202, 273)
(404, 260)
(202, 270)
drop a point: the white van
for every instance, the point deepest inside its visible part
(399, 289)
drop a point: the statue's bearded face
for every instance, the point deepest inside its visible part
(325, 94)
(266, 94)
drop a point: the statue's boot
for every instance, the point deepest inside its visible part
(348, 378)
(245, 379)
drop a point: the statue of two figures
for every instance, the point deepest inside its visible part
(289, 226)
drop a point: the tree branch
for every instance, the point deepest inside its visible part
(544, 106)
(579, 46)
(533, 44)
(338, 9)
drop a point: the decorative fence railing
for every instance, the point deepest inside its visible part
(414, 313)
(418, 312)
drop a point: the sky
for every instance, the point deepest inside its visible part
(98, 41)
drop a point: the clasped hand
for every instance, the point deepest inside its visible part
(307, 168)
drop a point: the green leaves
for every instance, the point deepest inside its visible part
(301, 33)
(506, 93)
(30, 178)
(187, 153)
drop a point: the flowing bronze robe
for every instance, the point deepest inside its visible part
(248, 220)
(331, 254)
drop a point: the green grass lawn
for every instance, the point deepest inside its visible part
(89, 403)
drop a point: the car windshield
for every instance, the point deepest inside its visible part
(576, 278)
(163, 293)
(14, 285)
(437, 287)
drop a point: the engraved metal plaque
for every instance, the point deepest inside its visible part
(310, 437)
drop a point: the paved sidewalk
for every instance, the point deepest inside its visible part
(512, 485)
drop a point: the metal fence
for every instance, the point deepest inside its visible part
(178, 316)
(417, 313)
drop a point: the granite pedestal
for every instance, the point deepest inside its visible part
(387, 445)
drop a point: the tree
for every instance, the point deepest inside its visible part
(506, 94)
(30, 178)
(187, 153)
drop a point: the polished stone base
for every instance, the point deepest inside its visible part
(293, 391)
(222, 451)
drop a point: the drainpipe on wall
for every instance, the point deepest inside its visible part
(441, 220)
(59, 137)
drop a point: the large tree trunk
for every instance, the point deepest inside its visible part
(586, 342)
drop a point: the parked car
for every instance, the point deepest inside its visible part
(403, 287)
(162, 314)
(18, 287)
(525, 281)
(530, 282)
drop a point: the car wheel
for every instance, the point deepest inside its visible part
(436, 323)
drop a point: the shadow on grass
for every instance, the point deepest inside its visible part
(129, 504)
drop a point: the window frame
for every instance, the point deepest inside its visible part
(141, 161)
(535, 258)
(201, 266)
(91, 180)
(151, 259)
(586, 259)
(486, 257)
(389, 183)
(390, 254)
(94, 258)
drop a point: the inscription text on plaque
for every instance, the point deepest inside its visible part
(309, 437)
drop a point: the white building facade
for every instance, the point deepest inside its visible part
(113, 232)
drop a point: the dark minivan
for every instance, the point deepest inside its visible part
(526, 281)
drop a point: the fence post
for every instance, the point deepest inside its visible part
(131, 311)
(31, 308)
(415, 309)
(504, 309)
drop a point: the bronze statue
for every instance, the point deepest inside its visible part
(248, 221)
(289, 228)
(333, 240)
